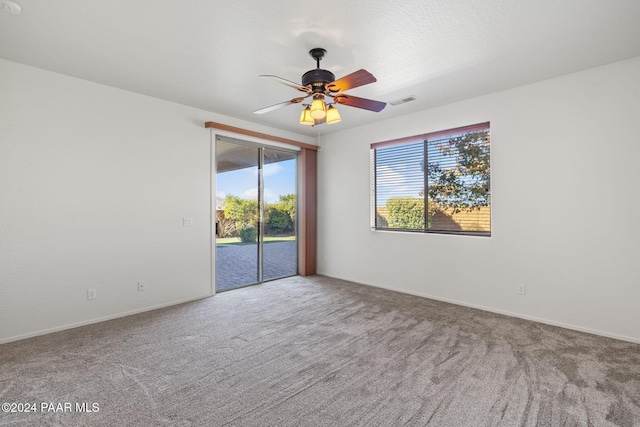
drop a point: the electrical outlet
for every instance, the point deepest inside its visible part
(141, 286)
(187, 222)
(91, 294)
(522, 289)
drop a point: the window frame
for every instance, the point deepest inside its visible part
(425, 137)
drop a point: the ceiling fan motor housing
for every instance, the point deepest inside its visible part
(317, 79)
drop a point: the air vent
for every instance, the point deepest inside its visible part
(403, 101)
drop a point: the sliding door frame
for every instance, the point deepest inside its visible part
(307, 202)
(305, 166)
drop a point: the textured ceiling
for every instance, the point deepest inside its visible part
(209, 53)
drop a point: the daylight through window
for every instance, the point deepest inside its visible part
(437, 182)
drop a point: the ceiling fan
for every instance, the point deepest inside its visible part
(321, 84)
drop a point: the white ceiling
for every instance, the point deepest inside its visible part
(208, 53)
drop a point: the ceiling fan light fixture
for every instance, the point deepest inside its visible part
(318, 107)
(333, 115)
(305, 117)
(321, 85)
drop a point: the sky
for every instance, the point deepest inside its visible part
(399, 172)
(279, 179)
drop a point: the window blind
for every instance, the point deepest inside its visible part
(437, 182)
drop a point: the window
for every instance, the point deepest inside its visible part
(433, 183)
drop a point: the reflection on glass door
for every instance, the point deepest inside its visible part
(255, 214)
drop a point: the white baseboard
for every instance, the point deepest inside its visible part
(498, 311)
(98, 320)
(375, 285)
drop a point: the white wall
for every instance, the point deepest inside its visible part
(94, 184)
(565, 206)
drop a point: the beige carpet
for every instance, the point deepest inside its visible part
(321, 352)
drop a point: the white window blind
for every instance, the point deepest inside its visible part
(437, 182)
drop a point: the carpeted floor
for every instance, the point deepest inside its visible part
(320, 352)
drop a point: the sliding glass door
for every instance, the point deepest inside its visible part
(255, 213)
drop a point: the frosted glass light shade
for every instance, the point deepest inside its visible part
(305, 117)
(333, 115)
(318, 109)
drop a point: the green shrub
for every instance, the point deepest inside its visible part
(248, 234)
(278, 220)
(242, 212)
(405, 212)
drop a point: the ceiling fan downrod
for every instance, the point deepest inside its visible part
(317, 53)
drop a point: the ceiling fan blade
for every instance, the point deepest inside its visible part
(354, 101)
(280, 105)
(355, 79)
(286, 82)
